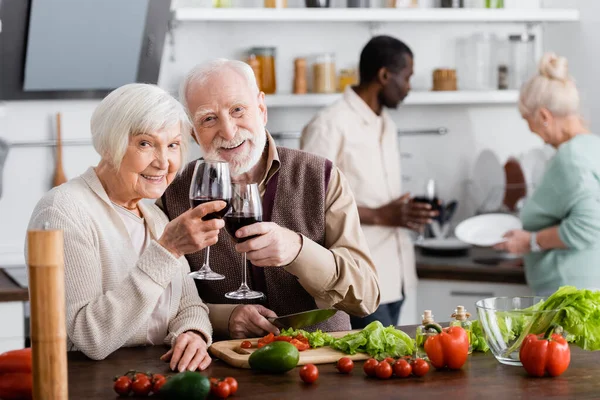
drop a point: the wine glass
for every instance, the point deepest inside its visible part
(246, 209)
(211, 181)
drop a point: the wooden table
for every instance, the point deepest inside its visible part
(481, 378)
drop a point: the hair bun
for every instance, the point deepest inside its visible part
(554, 67)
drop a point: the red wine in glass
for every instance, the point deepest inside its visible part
(235, 221)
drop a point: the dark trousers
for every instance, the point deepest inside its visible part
(387, 314)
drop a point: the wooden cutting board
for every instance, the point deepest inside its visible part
(230, 352)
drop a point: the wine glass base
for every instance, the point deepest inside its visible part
(244, 295)
(206, 275)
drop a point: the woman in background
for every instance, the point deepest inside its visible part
(560, 239)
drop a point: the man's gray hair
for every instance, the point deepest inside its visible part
(203, 72)
(133, 109)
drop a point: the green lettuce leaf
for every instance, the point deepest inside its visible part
(316, 339)
(377, 341)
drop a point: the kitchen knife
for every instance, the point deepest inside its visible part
(302, 319)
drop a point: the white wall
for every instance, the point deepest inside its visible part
(448, 159)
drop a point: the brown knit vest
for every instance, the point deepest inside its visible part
(294, 199)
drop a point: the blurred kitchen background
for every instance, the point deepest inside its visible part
(459, 126)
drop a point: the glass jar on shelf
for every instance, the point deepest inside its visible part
(522, 62)
(266, 61)
(323, 73)
(347, 78)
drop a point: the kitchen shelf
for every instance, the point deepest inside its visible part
(414, 98)
(375, 15)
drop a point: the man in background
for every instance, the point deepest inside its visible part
(360, 138)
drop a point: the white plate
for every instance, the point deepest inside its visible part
(487, 229)
(489, 181)
(443, 244)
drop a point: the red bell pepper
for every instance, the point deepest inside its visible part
(449, 348)
(546, 353)
(16, 380)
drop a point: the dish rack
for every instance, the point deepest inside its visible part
(507, 199)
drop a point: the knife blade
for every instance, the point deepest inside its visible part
(302, 319)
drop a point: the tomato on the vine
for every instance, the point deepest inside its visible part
(369, 366)
(420, 367)
(122, 386)
(233, 384)
(383, 370)
(402, 368)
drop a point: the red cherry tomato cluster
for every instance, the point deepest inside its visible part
(138, 383)
(223, 388)
(401, 368)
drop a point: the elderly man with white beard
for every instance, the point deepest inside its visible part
(309, 252)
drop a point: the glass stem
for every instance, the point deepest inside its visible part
(205, 266)
(244, 285)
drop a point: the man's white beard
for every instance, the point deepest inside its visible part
(242, 163)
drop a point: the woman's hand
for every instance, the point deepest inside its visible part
(517, 242)
(188, 353)
(189, 233)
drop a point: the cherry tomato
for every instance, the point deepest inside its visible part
(383, 370)
(233, 384)
(402, 368)
(420, 367)
(221, 390)
(345, 365)
(158, 384)
(122, 386)
(283, 338)
(369, 367)
(390, 360)
(260, 344)
(141, 387)
(156, 377)
(140, 375)
(301, 346)
(213, 381)
(309, 373)
(246, 344)
(269, 338)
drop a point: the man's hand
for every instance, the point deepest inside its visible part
(517, 242)
(188, 353)
(274, 246)
(250, 320)
(407, 213)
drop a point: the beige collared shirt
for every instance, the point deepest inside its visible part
(365, 147)
(341, 274)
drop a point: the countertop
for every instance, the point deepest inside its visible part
(481, 264)
(11, 291)
(482, 377)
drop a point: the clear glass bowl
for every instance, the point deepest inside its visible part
(507, 320)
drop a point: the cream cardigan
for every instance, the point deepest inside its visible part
(110, 290)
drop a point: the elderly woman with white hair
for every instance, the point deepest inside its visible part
(125, 275)
(561, 219)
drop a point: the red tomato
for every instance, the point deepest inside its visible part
(122, 386)
(260, 344)
(369, 367)
(233, 384)
(158, 384)
(156, 377)
(309, 373)
(141, 387)
(420, 367)
(221, 390)
(383, 370)
(300, 345)
(402, 368)
(390, 360)
(269, 338)
(345, 365)
(140, 375)
(283, 338)
(246, 344)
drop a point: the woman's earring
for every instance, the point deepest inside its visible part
(545, 124)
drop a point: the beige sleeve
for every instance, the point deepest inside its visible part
(192, 314)
(219, 317)
(99, 323)
(341, 274)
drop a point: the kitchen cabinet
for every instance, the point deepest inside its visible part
(442, 296)
(12, 332)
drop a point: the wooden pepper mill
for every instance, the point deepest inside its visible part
(48, 326)
(300, 76)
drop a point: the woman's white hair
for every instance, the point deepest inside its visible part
(201, 73)
(551, 88)
(133, 109)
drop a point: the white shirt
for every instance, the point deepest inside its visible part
(364, 146)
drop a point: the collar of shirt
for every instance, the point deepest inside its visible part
(362, 109)
(273, 163)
